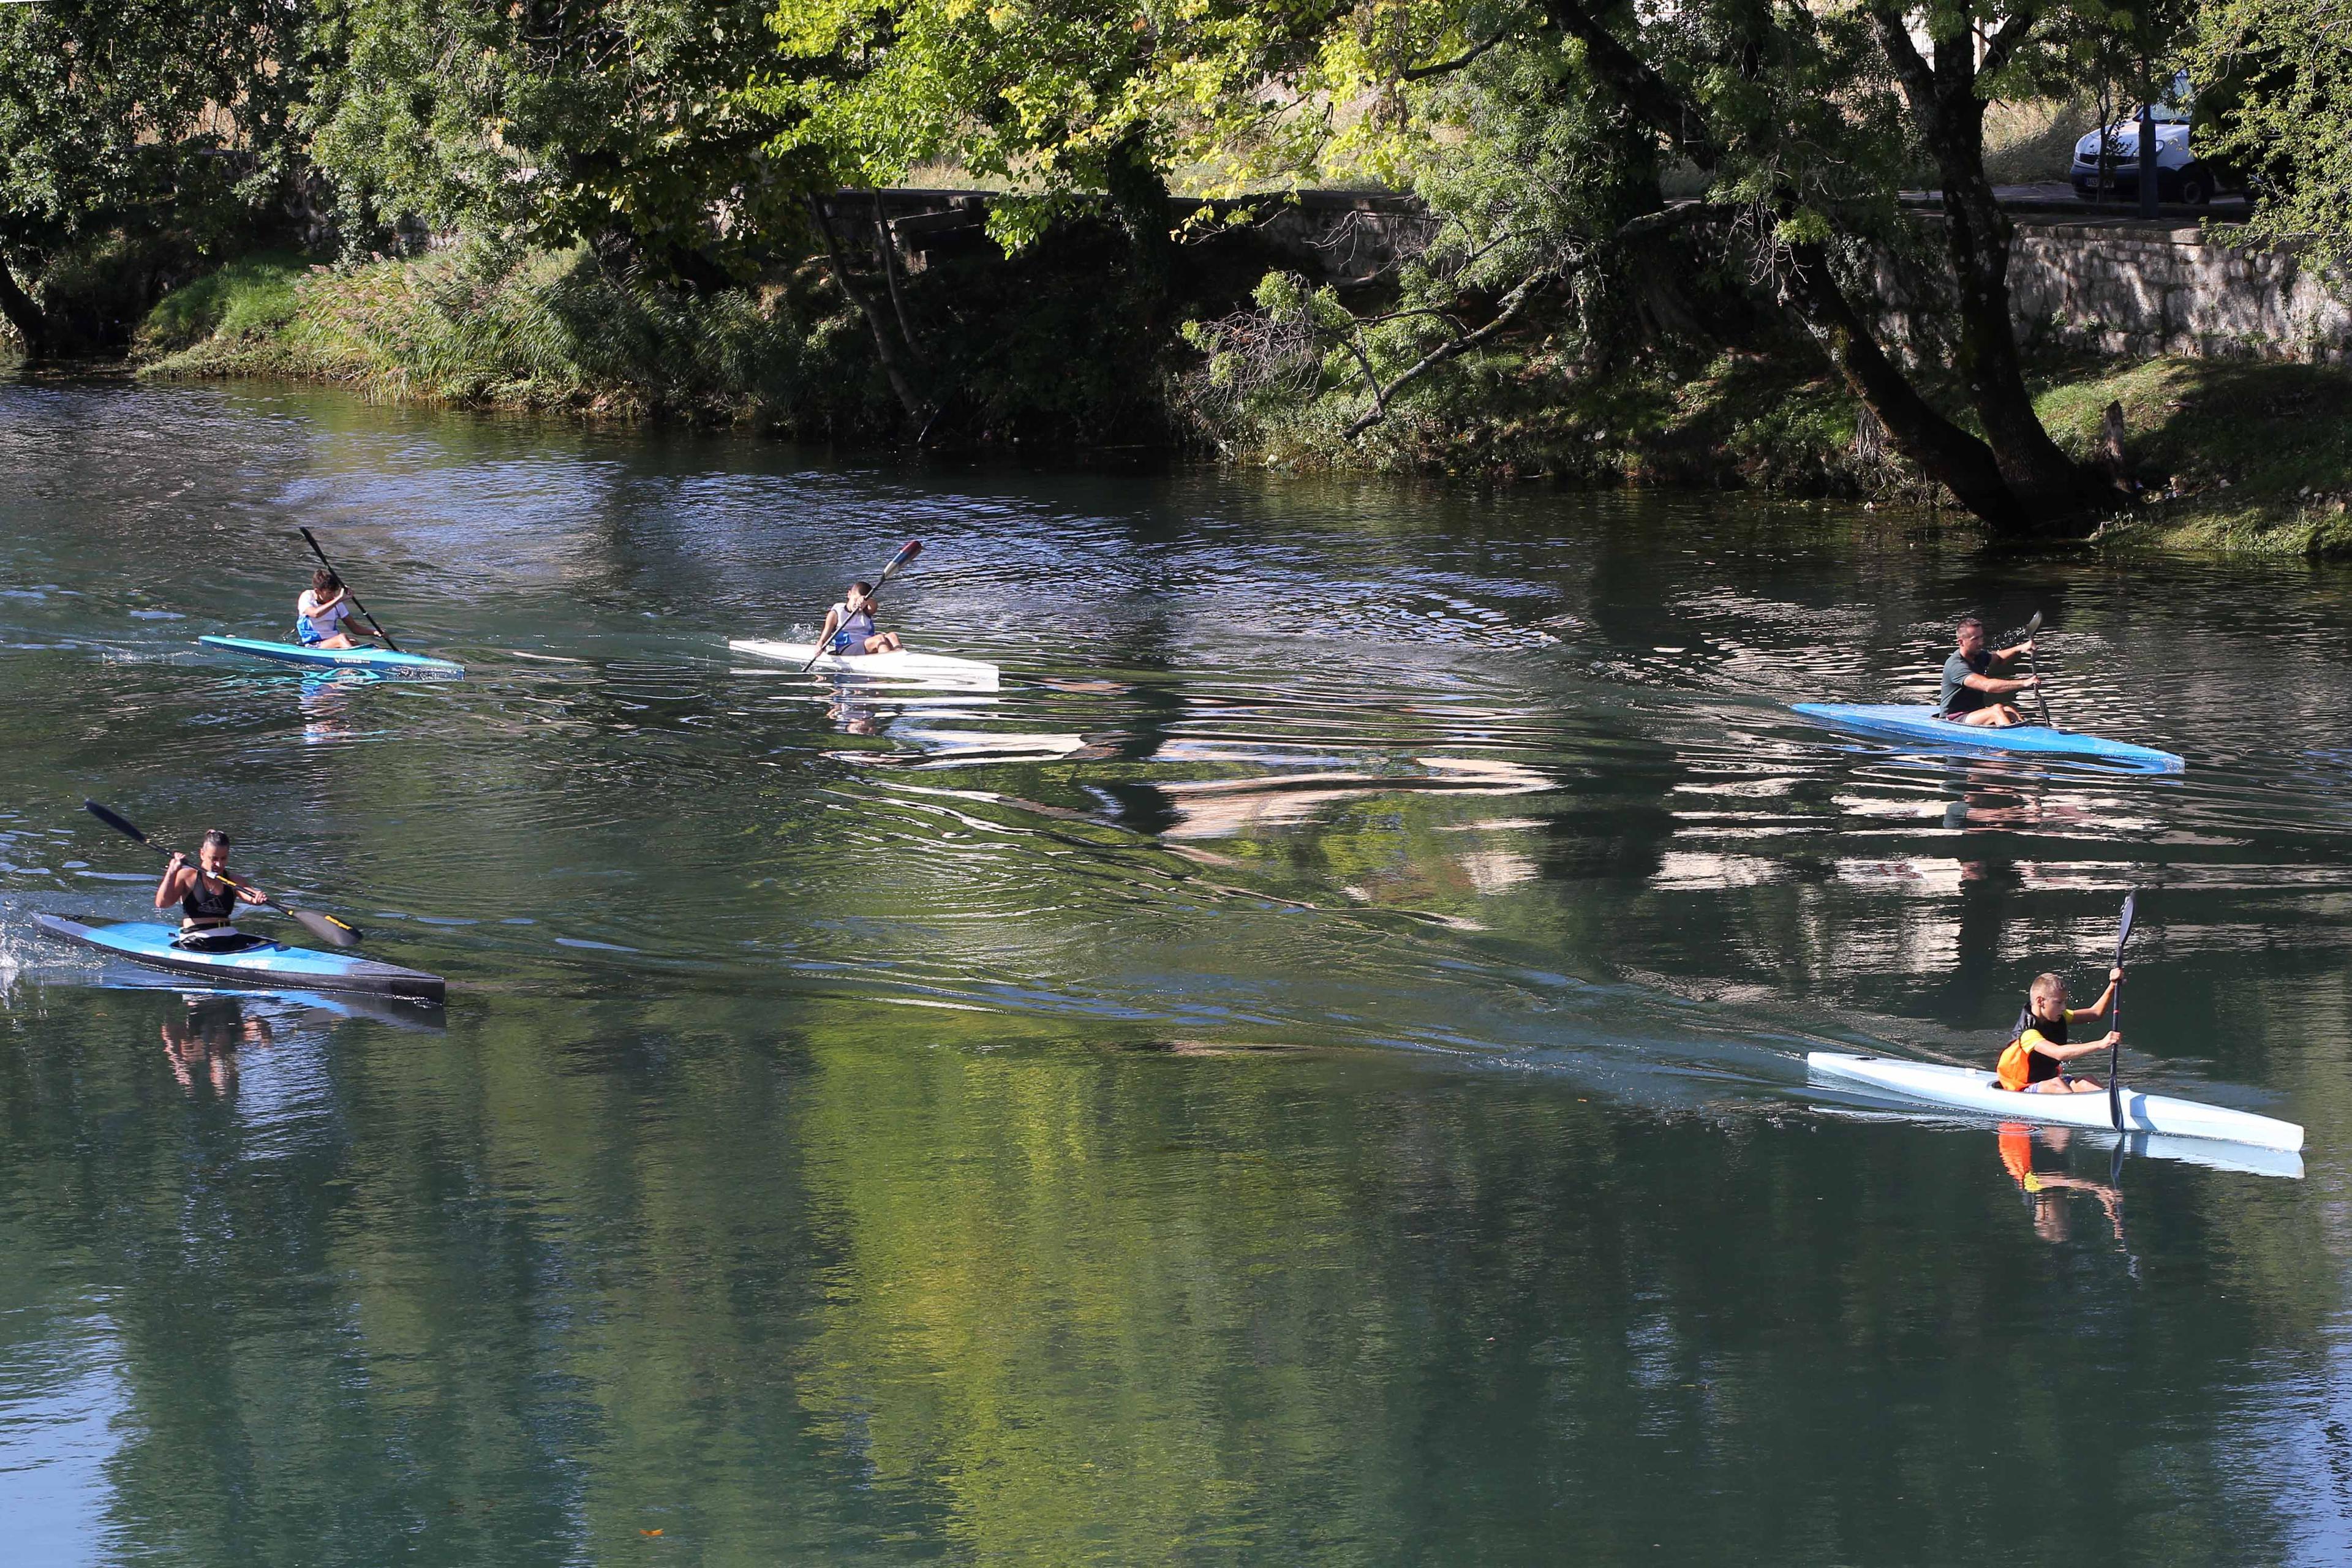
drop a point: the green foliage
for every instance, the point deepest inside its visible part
(488, 324)
(2284, 67)
(111, 123)
(250, 297)
(550, 124)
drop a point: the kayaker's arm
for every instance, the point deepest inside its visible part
(1997, 686)
(2098, 1009)
(2011, 654)
(167, 891)
(2068, 1053)
(250, 894)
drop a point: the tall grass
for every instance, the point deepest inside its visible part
(527, 329)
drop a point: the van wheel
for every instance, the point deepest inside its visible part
(2196, 186)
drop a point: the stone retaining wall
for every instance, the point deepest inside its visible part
(2135, 290)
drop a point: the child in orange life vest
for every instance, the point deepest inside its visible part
(2035, 1061)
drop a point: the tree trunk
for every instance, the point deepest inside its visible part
(1943, 451)
(2053, 491)
(23, 314)
(918, 408)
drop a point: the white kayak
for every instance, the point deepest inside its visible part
(1975, 1089)
(919, 668)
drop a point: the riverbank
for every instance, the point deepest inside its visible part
(2236, 457)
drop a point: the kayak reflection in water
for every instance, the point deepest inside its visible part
(1972, 691)
(202, 1044)
(2034, 1061)
(206, 897)
(2046, 1192)
(849, 625)
(322, 613)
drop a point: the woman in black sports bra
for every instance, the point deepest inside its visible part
(206, 896)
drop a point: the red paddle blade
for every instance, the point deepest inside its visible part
(907, 552)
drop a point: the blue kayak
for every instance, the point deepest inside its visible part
(1901, 722)
(381, 660)
(244, 958)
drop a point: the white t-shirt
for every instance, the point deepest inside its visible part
(308, 623)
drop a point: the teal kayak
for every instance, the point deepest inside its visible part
(1901, 722)
(381, 660)
(244, 958)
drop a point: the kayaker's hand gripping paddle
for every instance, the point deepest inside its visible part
(907, 552)
(326, 928)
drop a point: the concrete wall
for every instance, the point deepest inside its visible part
(2134, 288)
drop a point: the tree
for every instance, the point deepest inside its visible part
(618, 122)
(2279, 72)
(1803, 122)
(131, 113)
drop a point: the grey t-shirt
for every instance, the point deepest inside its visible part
(1958, 696)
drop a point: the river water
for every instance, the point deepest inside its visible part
(1311, 1070)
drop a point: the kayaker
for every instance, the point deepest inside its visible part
(1972, 691)
(207, 900)
(322, 613)
(2034, 1061)
(849, 625)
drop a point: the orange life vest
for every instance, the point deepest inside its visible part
(2017, 1066)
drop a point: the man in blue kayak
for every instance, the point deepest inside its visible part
(1973, 693)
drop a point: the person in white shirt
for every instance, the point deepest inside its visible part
(322, 616)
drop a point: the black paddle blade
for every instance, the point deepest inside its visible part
(2123, 933)
(327, 928)
(116, 820)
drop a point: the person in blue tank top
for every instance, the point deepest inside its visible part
(1973, 693)
(849, 625)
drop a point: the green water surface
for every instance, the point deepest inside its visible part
(1309, 1070)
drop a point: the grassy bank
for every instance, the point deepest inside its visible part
(2244, 458)
(529, 329)
(2235, 456)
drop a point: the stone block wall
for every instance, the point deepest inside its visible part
(2135, 290)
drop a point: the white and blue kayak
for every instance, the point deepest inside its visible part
(381, 661)
(1900, 721)
(243, 958)
(906, 665)
(1977, 1091)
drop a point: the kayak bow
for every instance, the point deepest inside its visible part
(1902, 722)
(249, 959)
(1978, 1091)
(381, 660)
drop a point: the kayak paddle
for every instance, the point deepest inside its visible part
(326, 928)
(2032, 626)
(2116, 1021)
(363, 609)
(907, 552)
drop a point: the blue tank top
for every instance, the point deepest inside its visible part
(854, 629)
